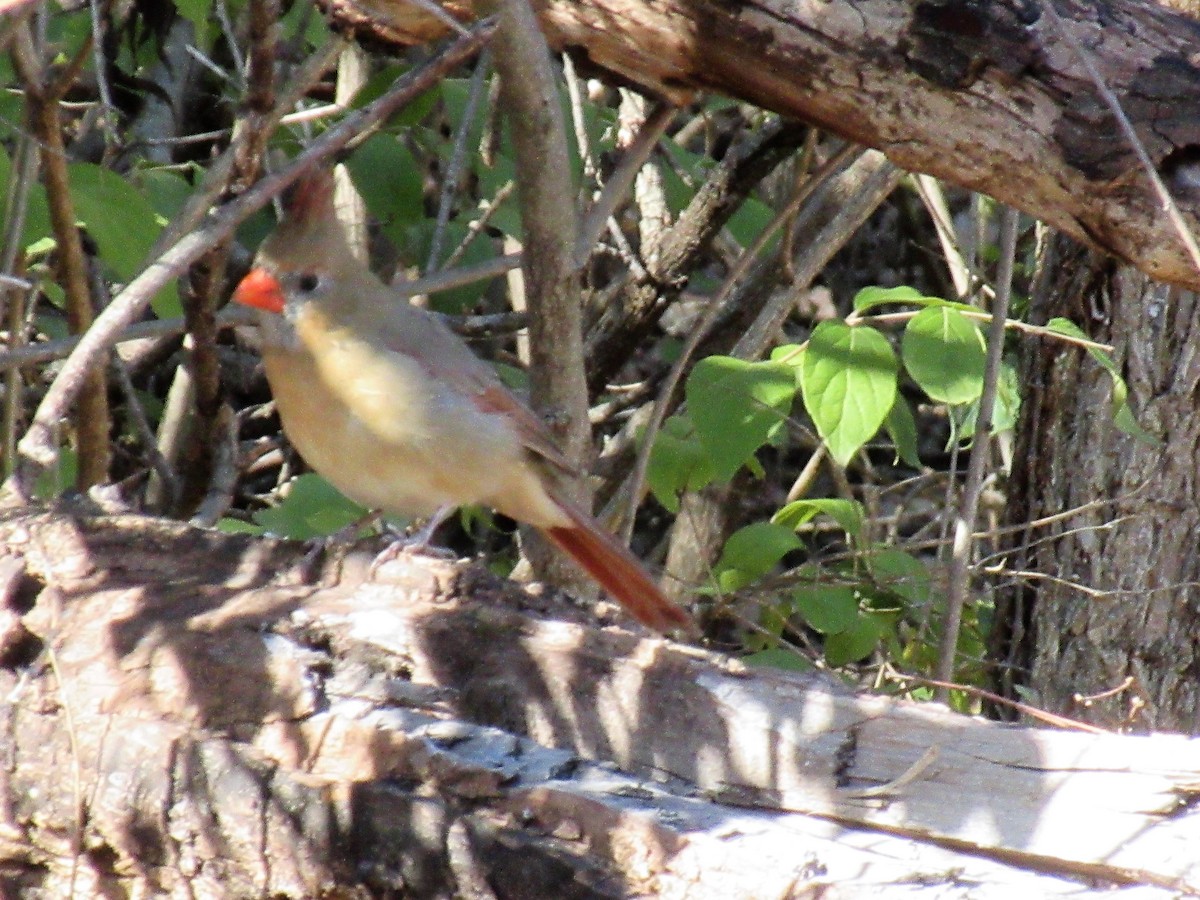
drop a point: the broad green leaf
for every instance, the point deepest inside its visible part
(944, 352)
(790, 355)
(678, 462)
(736, 407)
(507, 216)
(117, 216)
(167, 192)
(461, 299)
(876, 296)
(847, 513)
(854, 643)
(827, 608)
(123, 224)
(391, 183)
(779, 658)
(849, 384)
(902, 429)
(900, 573)
(1122, 414)
(752, 552)
(312, 508)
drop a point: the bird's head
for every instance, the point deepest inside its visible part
(300, 262)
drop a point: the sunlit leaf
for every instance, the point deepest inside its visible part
(849, 384)
(737, 406)
(944, 352)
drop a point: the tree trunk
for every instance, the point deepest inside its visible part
(1109, 606)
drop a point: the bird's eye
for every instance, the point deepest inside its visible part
(308, 282)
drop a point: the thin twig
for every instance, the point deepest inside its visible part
(91, 413)
(448, 279)
(959, 578)
(108, 114)
(21, 178)
(479, 223)
(934, 198)
(454, 167)
(616, 188)
(141, 425)
(37, 446)
(1032, 711)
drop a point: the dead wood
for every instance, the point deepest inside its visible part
(184, 717)
(987, 95)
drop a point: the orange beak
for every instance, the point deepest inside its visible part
(261, 290)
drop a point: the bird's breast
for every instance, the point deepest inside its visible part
(389, 436)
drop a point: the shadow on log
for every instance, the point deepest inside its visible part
(184, 717)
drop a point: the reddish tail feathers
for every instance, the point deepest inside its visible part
(618, 572)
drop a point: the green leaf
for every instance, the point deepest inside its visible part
(1122, 414)
(238, 526)
(736, 407)
(312, 508)
(880, 296)
(678, 462)
(196, 12)
(1004, 410)
(847, 513)
(391, 183)
(116, 215)
(827, 608)
(877, 296)
(779, 658)
(123, 224)
(752, 552)
(58, 478)
(167, 192)
(854, 643)
(413, 113)
(849, 384)
(461, 299)
(750, 220)
(902, 429)
(944, 352)
(900, 573)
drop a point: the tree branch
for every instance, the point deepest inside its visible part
(987, 95)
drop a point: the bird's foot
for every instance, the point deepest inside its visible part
(416, 543)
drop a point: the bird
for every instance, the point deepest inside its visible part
(390, 406)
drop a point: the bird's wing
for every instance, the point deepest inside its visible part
(423, 336)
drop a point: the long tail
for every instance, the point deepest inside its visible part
(617, 570)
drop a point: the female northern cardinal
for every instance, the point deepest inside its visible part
(391, 406)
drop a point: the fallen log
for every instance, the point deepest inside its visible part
(184, 715)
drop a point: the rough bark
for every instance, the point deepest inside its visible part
(183, 717)
(986, 95)
(1123, 600)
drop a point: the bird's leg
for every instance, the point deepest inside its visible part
(417, 542)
